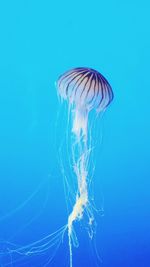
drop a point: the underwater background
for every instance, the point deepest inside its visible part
(39, 41)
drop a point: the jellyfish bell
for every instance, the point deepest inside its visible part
(85, 89)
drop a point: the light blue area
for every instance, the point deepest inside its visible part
(39, 40)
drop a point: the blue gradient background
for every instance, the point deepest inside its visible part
(39, 41)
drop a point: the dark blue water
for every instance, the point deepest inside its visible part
(39, 41)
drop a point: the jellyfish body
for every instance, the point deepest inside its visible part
(84, 89)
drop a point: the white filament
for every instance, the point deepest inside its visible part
(79, 129)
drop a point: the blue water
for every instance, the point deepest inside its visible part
(39, 41)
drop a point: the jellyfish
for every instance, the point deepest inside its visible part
(85, 90)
